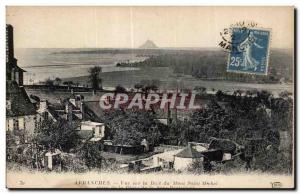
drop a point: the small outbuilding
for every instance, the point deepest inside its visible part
(186, 157)
(165, 159)
(92, 131)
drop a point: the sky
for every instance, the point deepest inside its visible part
(130, 27)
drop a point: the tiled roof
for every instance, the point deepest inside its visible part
(56, 106)
(92, 111)
(189, 152)
(20, 102)
(53, 109)
(53, 112)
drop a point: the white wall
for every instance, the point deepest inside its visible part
(26, 123)
(182, 163)
(42, 106)
(99, 129)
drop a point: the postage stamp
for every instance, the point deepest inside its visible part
(250, 51)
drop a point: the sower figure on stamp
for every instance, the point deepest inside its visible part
(246, 47)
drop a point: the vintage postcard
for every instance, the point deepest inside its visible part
(150, 97)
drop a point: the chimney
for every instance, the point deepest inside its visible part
(13, 72)
(69, 112)
(82, 110)
(9, 43)
(78, 100)
(42, 106)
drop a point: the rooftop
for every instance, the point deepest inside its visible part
(19, 100)
(91, 123)
(189, 152)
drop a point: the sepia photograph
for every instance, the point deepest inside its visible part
(150, 97)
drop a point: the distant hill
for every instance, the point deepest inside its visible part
(149, 44)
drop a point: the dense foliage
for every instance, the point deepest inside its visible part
(255, 121)
(94, 77)
(132, 126)
(58, 134)
(91, 155)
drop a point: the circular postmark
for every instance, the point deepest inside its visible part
(235, 35)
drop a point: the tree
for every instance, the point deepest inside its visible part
(196, 166)
(57, 81)
(220, 95)
(91, 155)
(120, 89)
(272, 161)
(138, 86)
(94, 77)
(68, 83)
(56, 135)
(147, 85)
(49, 82)
(132, 126)
(249, 93)
(154, 84)
(238, 93)
(284, 94)
(264, 97)
(180, 129)
(209, 122)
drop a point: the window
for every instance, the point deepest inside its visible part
(21, 123)
(16, 124)
(97, 132)
(8, 104)
(10, 124)
(13, 74)
(35, 122)
(17, 77)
